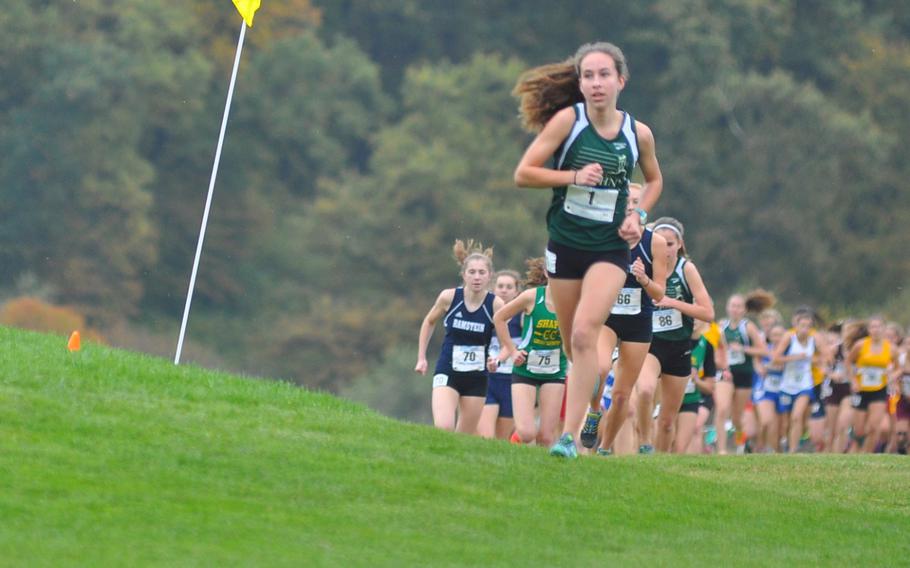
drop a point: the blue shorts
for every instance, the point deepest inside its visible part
(607, 399)
(758, 389)
(499, 391)
(760, 394)
(785, 401)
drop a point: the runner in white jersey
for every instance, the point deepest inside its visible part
(795, 351)
(496, 419)
(767, 396)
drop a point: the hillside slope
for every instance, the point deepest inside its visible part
(110, 457)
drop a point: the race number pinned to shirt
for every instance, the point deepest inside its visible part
(467, 358)
(666, 320)
(772, 382)
(797, 377)
(543, 361)
(736, 357)
(591, 203)
(506, 366)
(871, 377)
(628, 303)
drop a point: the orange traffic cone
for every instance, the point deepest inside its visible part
(74, 343)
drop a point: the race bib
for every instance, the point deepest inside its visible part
(628, 303)
(666, 320)
(736, 357)
(591, 203)
(543, 361)
(771, 382)
(796, 378)
(440, 380)
(690, 387)
(506, 366)
(467, 358)
(871, 377)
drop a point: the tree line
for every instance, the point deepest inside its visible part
(366, 137)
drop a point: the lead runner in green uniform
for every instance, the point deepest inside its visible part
(594, 148)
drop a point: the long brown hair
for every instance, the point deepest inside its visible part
(545, 90)
(760, 300)
(853, 331)
(536, 275)
(671, 224)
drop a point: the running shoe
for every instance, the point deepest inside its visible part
(515, 439)
(646, 449)
(589, 431)
(710, 435)
(564, 447)
(603, 452)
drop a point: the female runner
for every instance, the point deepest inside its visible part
(745, 345)
(596, 146)
(669, 356)
(871, 359)
(496, 418)
(460, 381)
(540, 361)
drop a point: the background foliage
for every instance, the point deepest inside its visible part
(365, 137)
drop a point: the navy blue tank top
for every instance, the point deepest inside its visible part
(633, 300)
(464, 348)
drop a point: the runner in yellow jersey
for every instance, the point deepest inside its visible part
(871, 361)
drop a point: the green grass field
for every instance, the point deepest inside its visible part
(113, 458)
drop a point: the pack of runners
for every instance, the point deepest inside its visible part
(613, 347)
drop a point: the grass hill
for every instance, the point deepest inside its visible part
(115, 458)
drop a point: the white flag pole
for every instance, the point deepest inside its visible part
(208, 200)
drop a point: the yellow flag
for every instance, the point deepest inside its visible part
(247, 9)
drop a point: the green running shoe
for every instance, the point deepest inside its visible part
(589, 431)
(646, 449)
(564, 447)
(603, 452)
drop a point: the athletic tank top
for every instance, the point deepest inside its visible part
(505, 368)
(798, 374)
(588, 218)
(464, 348)
(774, 375)
(871, 369)
(669, 323)
(541, 339)
(739, 361)
(632, 299)
(840, 367)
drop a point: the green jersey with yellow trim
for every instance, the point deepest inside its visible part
(543, 343)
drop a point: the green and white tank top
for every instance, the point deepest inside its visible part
(669, 323)
(543, 342)
(588, 218)
(739, 361)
